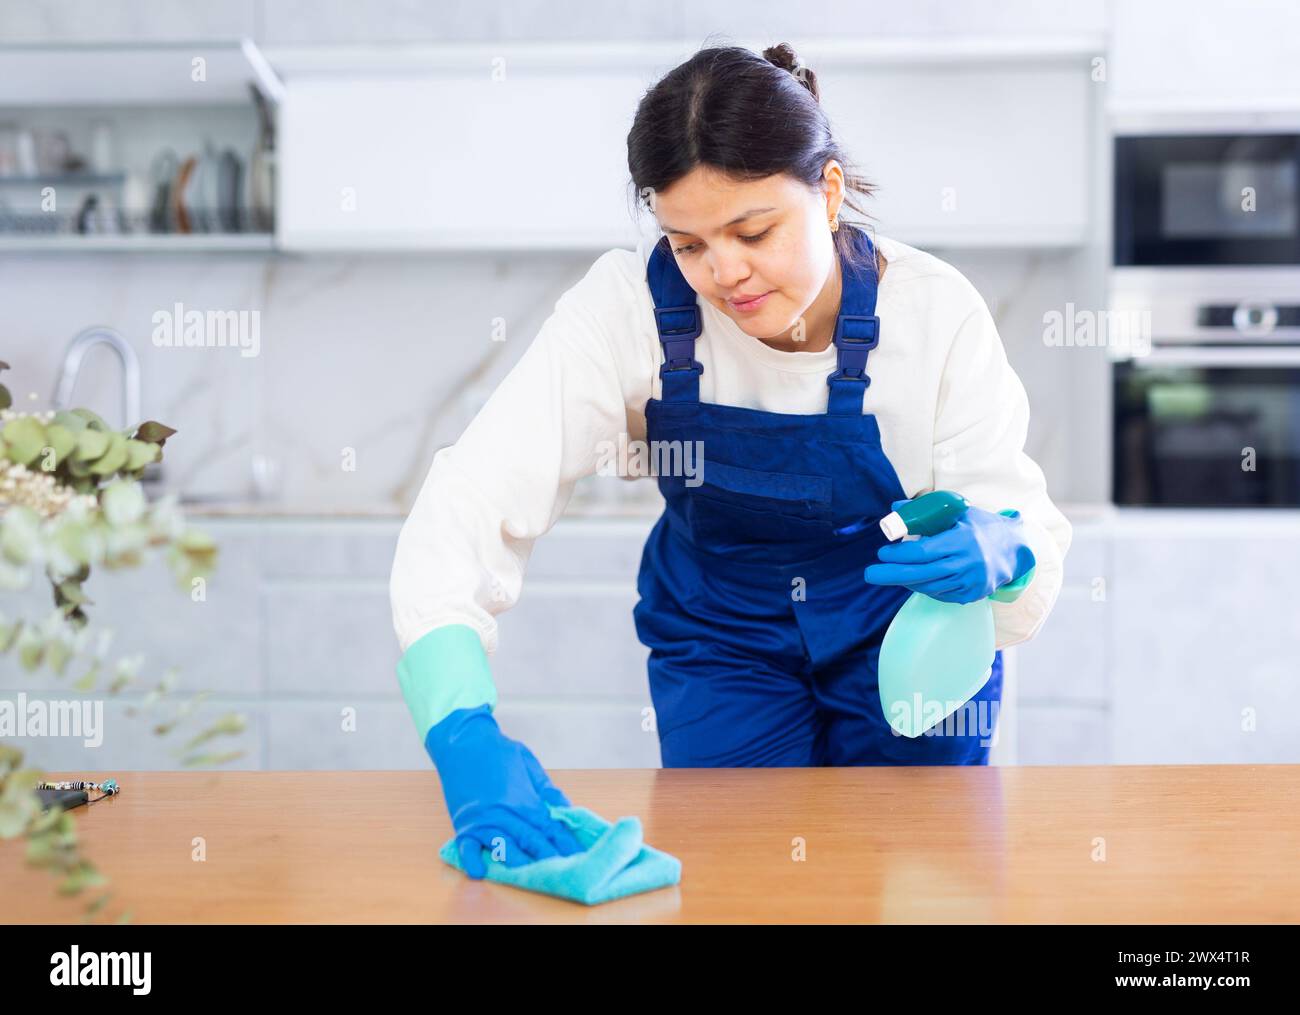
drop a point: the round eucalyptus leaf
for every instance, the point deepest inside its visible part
(91, 445)
(24, 438)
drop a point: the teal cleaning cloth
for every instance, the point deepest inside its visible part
(614, 862)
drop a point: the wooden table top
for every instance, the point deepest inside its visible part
(1088, 844)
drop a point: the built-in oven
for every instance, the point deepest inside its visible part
(1206, 407)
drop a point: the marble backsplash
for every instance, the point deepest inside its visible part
(367, 364)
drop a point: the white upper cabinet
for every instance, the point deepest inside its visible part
(457, 157)
(971, 142)
(971, 155)
(1205, 56)
(133, 74)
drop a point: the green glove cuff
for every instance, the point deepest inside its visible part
(445, 670)
(1010, 592)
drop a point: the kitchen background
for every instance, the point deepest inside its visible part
(388, 184)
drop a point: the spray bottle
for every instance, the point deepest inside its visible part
(936, 656)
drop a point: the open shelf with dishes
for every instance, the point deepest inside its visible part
(172, 148)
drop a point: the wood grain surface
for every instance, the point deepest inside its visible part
(1125, 844)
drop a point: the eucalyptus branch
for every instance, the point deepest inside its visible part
(70, 500)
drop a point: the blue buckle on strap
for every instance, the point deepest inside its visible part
(855, 336)
(679, 327)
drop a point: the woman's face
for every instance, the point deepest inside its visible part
(767, 238)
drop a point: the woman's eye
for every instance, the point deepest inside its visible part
(690, 247)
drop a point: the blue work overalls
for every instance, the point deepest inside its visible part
(763, 635)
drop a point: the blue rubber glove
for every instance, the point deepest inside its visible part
(497, 793)
(963, 564)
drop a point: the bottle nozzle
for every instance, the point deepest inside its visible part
(893, 526)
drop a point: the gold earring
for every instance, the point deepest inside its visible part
(835, 224)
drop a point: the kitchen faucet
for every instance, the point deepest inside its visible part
(76, 352)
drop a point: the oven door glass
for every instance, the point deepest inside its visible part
(1202, 436)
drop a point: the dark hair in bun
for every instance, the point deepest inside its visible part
(781, 55)
(747, 115)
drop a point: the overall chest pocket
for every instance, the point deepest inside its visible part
(734, 506)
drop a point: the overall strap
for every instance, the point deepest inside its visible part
(679, 321)
(857, 329)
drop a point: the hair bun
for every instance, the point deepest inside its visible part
(781, 55)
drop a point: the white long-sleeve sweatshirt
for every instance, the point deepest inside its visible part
(952, 413)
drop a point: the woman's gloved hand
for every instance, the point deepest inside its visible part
(965, 563)
(495, 789)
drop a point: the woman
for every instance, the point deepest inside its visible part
(748, 335)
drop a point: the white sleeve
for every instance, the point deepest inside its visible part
(462, 551)
(979, 440)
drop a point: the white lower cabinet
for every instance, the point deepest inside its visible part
(1169, 643)
(1206, 628)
